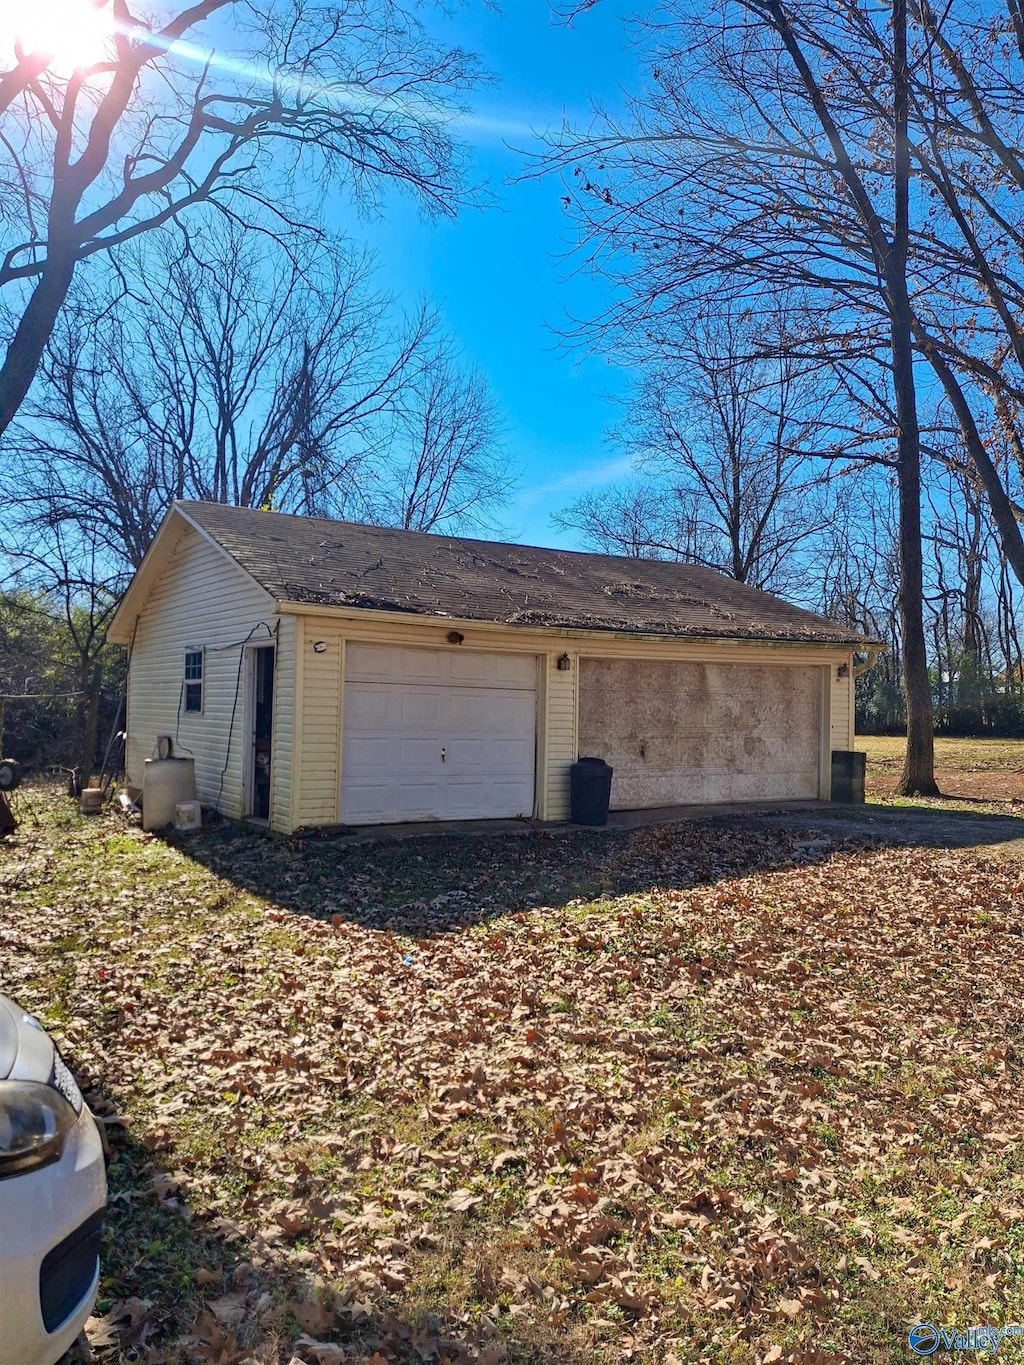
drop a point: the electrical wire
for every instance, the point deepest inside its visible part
(177, 726)
(272, 634)
(220, 649)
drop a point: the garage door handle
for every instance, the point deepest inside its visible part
(443, 754)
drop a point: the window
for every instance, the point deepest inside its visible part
(194, 680)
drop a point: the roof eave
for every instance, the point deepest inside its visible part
(287, 606)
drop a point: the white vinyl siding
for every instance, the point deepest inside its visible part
(842, 710)
(560, 749)
(204, 601)
(320, 723)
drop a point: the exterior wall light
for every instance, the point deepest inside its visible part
(843, 671)
(319, 646)
(564, 663)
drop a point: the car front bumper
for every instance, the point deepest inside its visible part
(49, 1235)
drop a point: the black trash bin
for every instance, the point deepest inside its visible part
(590, 790)
(848, 766)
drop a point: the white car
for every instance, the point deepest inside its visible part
(53, 1190)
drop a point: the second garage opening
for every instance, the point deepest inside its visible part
(678, 733)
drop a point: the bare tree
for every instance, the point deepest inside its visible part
(442, 465)
(857, 571)
(771, 156)
(968, 320)
(237, 371)
(69, 578)
(106, 152)
(646, 519)
(722, 434)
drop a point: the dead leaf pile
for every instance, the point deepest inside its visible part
(692, 1093)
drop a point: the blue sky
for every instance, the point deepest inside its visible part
(500, 276)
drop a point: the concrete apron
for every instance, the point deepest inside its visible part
(828, 822)
(617, 820)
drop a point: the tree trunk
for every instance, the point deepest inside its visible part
(91, 683)
(33, 333)
(918, 776)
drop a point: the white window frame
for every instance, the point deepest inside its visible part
(190, 682)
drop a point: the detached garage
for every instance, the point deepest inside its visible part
(322, 673)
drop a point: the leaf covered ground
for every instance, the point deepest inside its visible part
(701, 1092)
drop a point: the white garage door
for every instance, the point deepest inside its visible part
(437, 735)
(677, 733)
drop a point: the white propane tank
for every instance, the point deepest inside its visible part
(166, 782)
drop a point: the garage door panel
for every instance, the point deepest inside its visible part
(513, 794)
(455, 667)
(509, 755)
(518, 671)
(368, 706)
(466, 756)
(518, 708)
(681, 733)
(368, 756)
(421, 665)
(403, 709)
(473, 711)
(471, 668)
(417, 755)
(368, 663)
(415, 801)
(463, 799)
(373, 800)
(422, 708)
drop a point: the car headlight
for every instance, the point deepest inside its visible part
(35, 1121)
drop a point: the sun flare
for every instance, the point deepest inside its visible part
(73, 33)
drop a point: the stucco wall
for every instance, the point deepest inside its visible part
(680, 732)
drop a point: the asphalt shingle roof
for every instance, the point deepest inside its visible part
(343, 564)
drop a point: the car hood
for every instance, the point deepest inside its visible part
(8, 1037)
(26, 1050)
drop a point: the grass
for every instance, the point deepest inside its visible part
(679, 1094)
(980, 776)
(885, 754)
